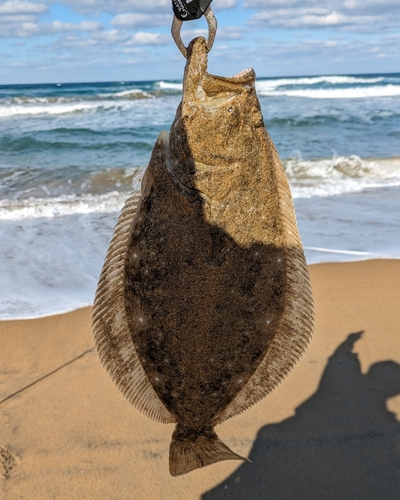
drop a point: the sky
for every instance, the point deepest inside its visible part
(43, 41)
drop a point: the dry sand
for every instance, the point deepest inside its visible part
(330, 431)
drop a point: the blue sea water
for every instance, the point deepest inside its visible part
(68, 154)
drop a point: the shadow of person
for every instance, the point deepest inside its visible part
(342, 443)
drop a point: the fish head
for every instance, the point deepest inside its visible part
(217, 119)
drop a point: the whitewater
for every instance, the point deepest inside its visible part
(69, 154)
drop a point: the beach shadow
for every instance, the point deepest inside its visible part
(342, 443)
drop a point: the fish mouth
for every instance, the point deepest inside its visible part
(208, 123)
(199, 87)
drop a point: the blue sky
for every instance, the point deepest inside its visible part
(108, 40)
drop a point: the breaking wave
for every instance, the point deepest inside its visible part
(60, 206)
(169, 85)
(344, 93)
(80, 99)
(60, 108)
(331, 87)
(340, 174)
(26, 105)
(105, 191)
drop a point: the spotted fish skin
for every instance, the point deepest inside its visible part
(204, 303)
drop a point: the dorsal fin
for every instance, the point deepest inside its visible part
(110, 325)
(294, 332)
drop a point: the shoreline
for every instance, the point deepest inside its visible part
(358, 257)
(332, 426)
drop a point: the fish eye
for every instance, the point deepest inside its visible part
(230, 109)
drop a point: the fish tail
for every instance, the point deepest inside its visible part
(191, 449)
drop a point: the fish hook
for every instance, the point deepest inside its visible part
(212, 31)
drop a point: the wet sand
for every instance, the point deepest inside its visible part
(330, 431)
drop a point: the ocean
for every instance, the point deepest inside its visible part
(69, 153)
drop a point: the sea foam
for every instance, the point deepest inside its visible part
(169, 85)
(330, 93)
(52, 266)
(68, 155)
(308, 178)
(33, 208)
(52, 109)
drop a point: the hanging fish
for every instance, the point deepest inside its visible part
(204, 302)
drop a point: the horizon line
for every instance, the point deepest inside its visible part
(180, 79)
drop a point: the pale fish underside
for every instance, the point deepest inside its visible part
(204, 302)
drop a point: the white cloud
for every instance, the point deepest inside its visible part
(140, 19)
(134, 6)
(224, 33)
(223, 4)
(148, 39)
(18, 17)
(59, 27)
(336, 56)
(311, 18)
(139, 31)
(371, 4)
(189, 34)
(22, 19)
(350, 15)
(29, 28)
(132, 50)
(260, 4)
(13, 7)
(14, 19)
(230, 33)
(119, 6)
(112, 40)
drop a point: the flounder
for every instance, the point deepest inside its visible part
(204, 302)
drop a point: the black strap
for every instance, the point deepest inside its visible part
(189, 10)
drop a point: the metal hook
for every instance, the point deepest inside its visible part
(212, 31)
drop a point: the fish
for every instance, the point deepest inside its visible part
(204, 302)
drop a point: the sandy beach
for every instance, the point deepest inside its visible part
(330, 431)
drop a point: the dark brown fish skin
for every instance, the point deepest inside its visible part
(198, 303)
(216, 303)
(208, 280)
